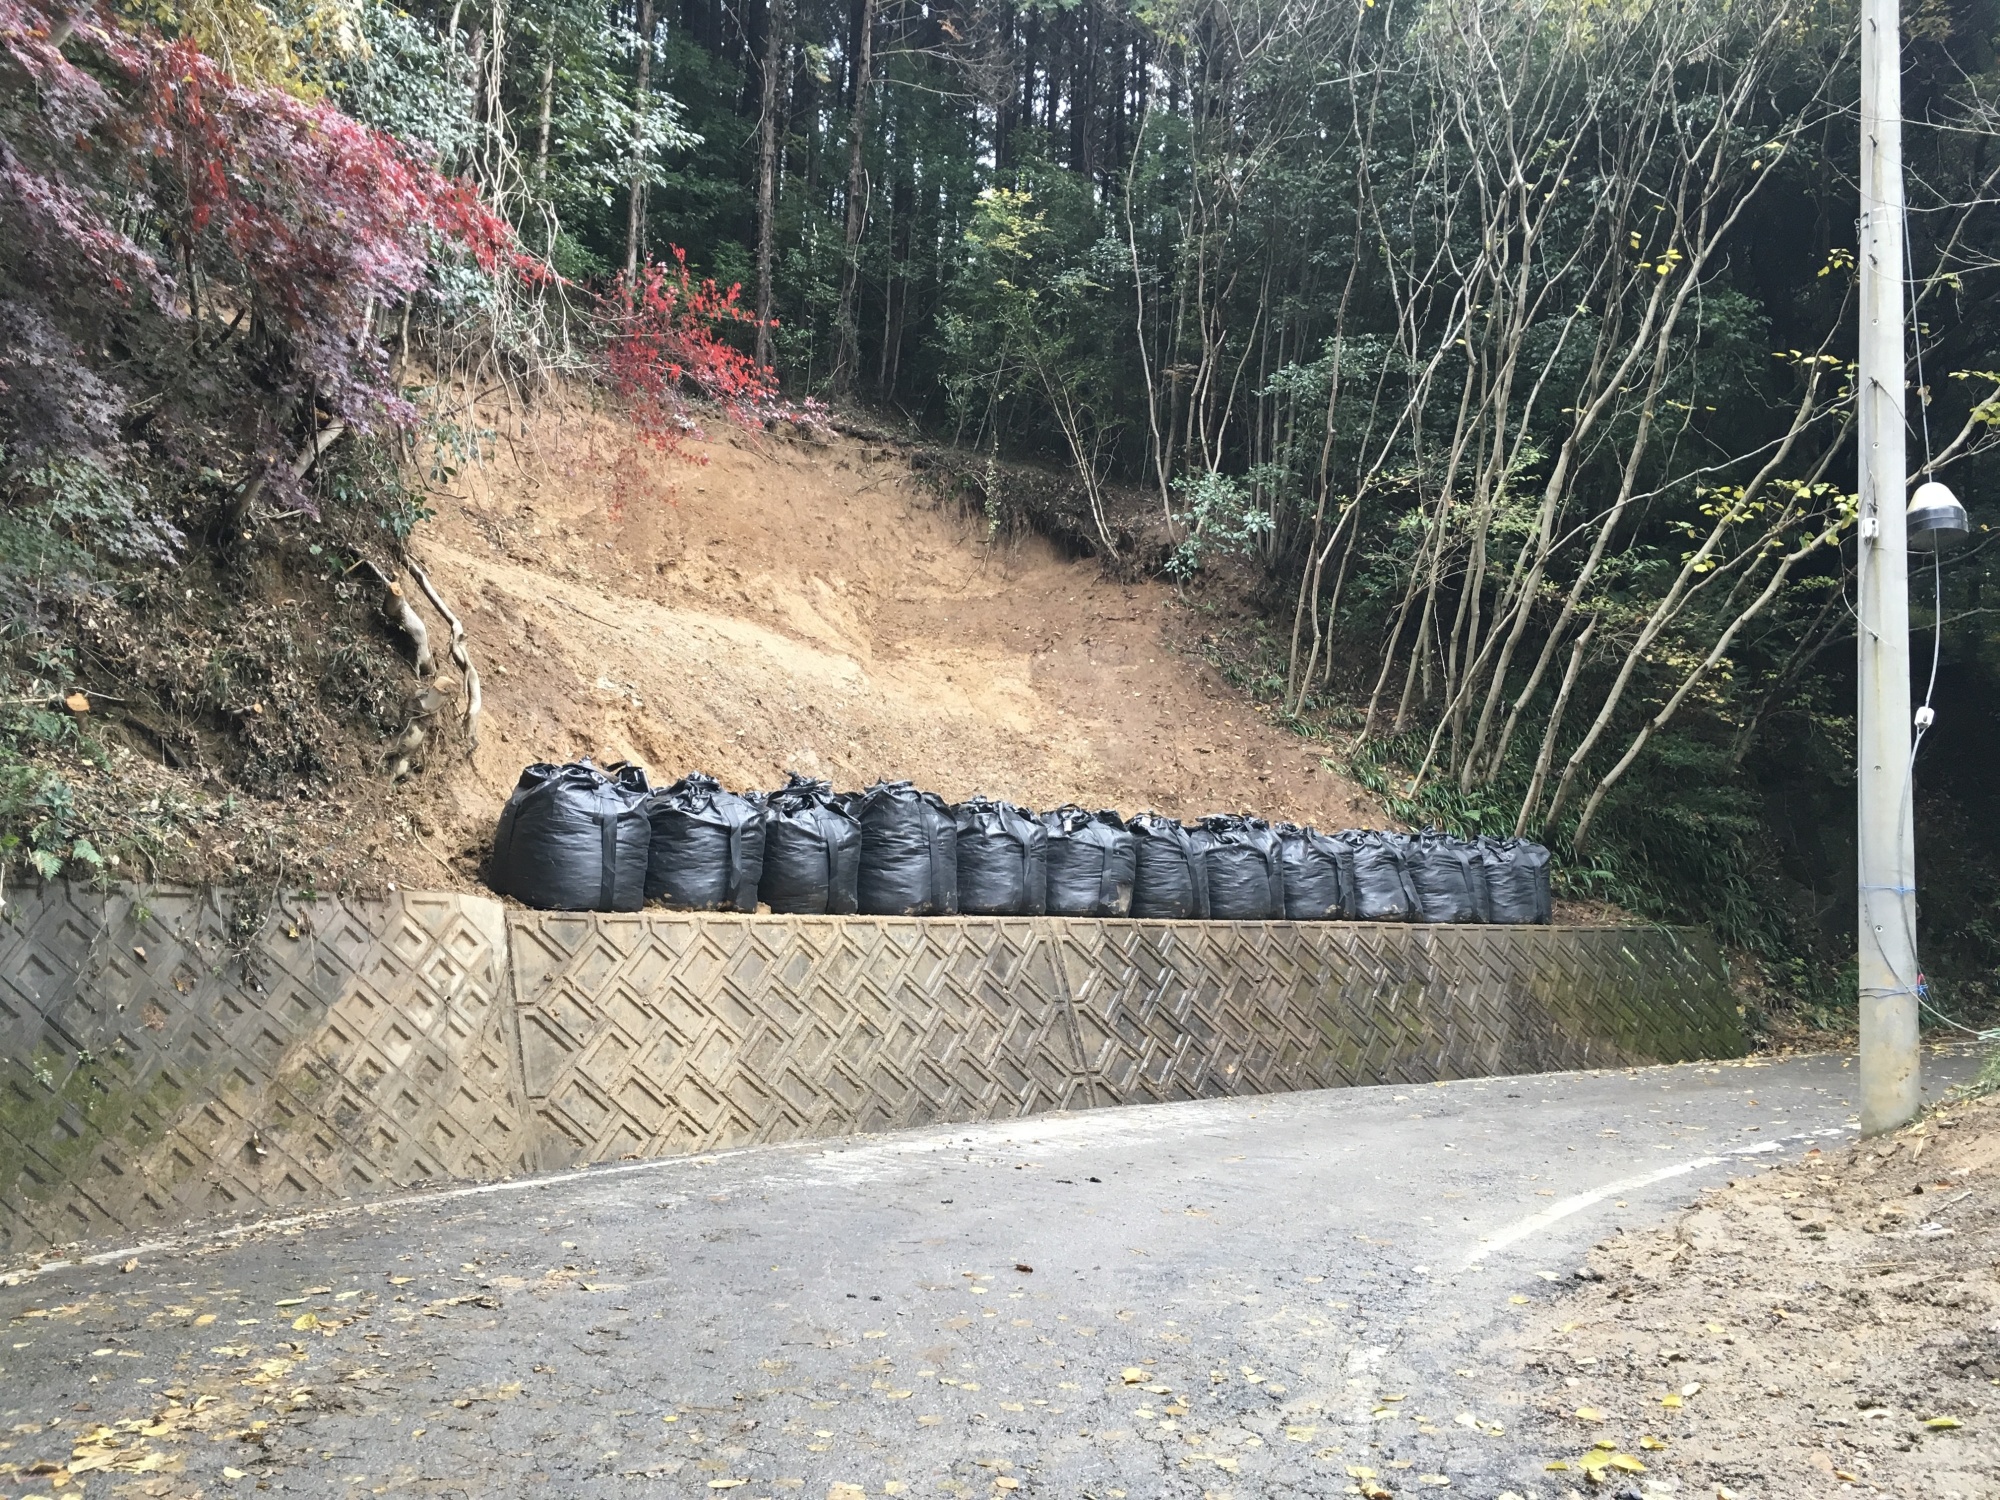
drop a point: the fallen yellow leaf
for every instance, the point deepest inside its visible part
(1558, 1467)
(204, 1320)
(305, 1322)
(726, 1484)
(1356, 1471)
(1628, 1463)
(1133, 1376)
(1517, 1297)
(1589, 1414)
(1652, 1444)
(1943, 1423)
(1672, 1398)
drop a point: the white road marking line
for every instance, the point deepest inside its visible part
(1521, 1229)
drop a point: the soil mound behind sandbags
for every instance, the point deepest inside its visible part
(574, 838)
(707, 846)
(909, 852)
(1245, 871)
(812, 851)
(1311, 862)
(1090, 861)
(1517, 881)
(1002, 860)
(1374, 877)
(1169, 879)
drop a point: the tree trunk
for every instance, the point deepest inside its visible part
(635, 205)
(847, 356)
(767, 172)
(544, 116)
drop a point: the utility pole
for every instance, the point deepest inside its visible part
(1887, 844)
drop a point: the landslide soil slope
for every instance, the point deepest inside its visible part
(765, 605)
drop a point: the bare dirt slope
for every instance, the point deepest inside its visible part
(1830, 1327)
(781, 605)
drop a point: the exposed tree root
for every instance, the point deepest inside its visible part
(397, 607)
(459, 655)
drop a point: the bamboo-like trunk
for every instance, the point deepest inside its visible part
(767, 172)
(847, 354)
(642, 94)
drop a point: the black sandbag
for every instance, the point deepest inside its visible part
(574, 838)
(909, 852)
(1441, 869)
(1311, 862)
(812, 851)
(1090, 863)
(708, 846)
(1374, 878)
(1517, 881)
(1246, 876)
(1169, 879)
(1003, 860)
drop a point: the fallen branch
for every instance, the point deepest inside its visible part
(412, 624)
(459, 655)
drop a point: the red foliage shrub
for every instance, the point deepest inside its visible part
(291, 213)
(667, 340)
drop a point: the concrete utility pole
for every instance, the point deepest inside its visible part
(1888, 906)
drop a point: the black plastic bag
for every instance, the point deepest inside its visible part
(1169, 880)
(1449, 888)
(1003, 860)
(708, 846)
(1246, 875)
(574, 838)
(1090, 863)
(909, 852)
(1374, 878)
(1517, 881)
(1311, 859)
(812, 851)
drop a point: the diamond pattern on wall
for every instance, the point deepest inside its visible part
(654, 1033)
(657, 1033)
(166, 1055)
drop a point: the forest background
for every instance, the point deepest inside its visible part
(1497, 352)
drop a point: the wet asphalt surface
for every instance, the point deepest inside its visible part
(1239, 1298)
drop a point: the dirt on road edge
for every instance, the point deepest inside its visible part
(1828, 1326)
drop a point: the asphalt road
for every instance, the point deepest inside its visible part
(1226, 1298)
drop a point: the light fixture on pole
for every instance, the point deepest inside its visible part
(1935, 519)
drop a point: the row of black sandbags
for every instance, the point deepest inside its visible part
(577, 838)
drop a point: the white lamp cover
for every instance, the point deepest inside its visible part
(1935, 518)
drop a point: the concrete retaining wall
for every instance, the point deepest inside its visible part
(166, 1055)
